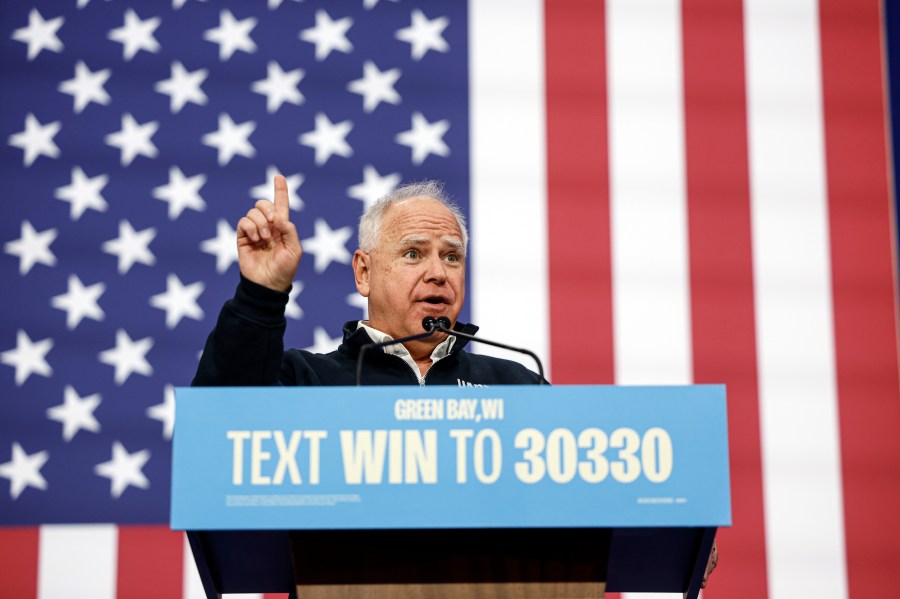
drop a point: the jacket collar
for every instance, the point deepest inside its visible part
(355, 337)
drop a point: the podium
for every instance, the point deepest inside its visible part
(515, 491)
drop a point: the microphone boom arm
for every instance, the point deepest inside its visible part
(439, 325)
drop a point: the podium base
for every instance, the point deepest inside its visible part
(487, 562)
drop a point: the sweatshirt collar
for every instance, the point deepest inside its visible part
(356, 336)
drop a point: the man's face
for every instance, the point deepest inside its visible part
(418, 268)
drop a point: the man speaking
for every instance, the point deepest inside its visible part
(411, 264)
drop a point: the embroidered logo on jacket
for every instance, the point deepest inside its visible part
(463, 383)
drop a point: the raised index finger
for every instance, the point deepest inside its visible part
(282, 206)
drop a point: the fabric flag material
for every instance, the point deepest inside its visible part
(664, 192)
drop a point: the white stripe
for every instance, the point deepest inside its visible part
(192, 588)
(77, 561)
(650, 282)
(798, 406)
(508, 268)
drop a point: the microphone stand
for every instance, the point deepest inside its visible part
(442, 324)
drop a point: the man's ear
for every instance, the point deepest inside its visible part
(361, 271)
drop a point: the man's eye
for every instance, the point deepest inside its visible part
(411, 254)
(452, 257)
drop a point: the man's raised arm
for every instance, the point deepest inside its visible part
(247, 345)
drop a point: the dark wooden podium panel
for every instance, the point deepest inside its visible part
(425, 564)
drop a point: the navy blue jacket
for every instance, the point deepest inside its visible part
(247, 349)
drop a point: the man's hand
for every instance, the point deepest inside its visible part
(268, 247)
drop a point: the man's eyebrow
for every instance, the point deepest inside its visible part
(454, 242)
(413, 240)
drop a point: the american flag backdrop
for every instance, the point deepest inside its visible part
(660, 192)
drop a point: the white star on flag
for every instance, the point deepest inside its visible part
(80, 302)
(179, 301)
(76, 413)
(273, 4)
(136, 35)
(133, 139)
(370, 4)
(24, 470)
(165, 411)
(328, 245)
(376, 86)
(424, 34)
(28, 357)
(264, 190)
(176, 4)
(328, 138)
(183, 86)
(425, 138)
(222, 246)
(293, 309)
(32, 247)
(231, 139)
(181, 192)
(328, 35)
(279, 86)
(128, 357)
(86, 87)
(83, 193)
(36, 140)
(124, 469)
(373, 187)
(131, 246)
(322, 342)
(39, 34)
(232, 35)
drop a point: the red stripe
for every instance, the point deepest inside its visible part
(865, 305)
(151, 562)
(578, 190)
(19, 562)
(722, 309)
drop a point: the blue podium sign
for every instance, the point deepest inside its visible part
(450, 457)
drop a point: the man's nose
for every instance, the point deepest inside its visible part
(436, 269)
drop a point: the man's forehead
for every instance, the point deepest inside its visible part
(404, 216)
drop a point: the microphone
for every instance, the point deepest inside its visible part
(442, 324)
(429, 323)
